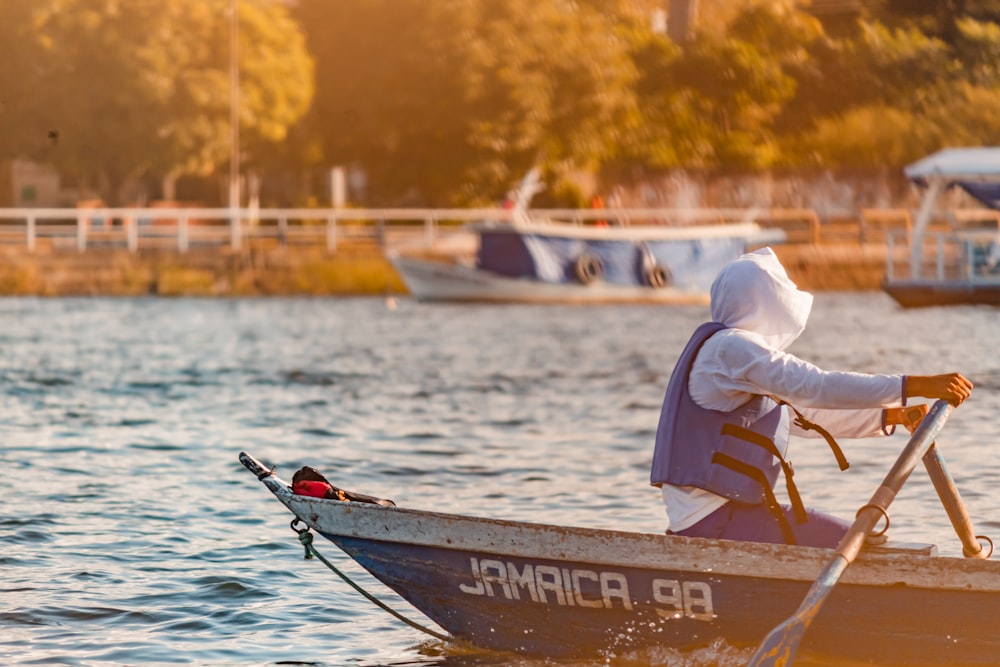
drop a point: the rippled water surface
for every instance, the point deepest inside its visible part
(130, 534)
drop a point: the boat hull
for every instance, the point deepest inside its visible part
(535, 261)
(921, 294)
(559, 608)
(562, 591)
(437, 281)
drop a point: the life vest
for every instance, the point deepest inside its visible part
(736, 455)
(313, 488)
(308, 481)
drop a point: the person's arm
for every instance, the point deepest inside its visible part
(732, 367)
(749, 366)
(952, 387)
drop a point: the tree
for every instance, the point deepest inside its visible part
(716, 102)
(891, 93)
(452, 101)
(138, 90)
(23, 64)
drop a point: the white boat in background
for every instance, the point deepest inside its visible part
(523, 259)
(961, 265)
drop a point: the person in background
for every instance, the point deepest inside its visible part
(734, 397)
(597, 203)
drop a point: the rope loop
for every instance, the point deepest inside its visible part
(306, 538)
(881, 511)
(984, 541)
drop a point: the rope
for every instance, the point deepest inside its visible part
(306, 538)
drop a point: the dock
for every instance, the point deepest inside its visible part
(342, 252)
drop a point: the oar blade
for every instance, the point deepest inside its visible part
(780, 645)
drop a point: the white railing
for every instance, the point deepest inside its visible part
(183, 228)
(964, 256)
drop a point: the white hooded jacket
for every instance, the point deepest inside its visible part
(765, 313)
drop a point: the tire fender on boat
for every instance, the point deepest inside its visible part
(657, 276)
(588, 268)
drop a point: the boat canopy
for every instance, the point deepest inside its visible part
(975, 170)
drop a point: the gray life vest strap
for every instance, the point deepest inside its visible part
(786, 466)
(807, 425)
(758, 475)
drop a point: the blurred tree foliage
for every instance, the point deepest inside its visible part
(111, 90)
(716, 102)
(451, 101)
(911, 78)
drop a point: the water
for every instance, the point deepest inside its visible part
(130, 534)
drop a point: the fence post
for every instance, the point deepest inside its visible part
(283, 230)
(967, 253)
(940, 257)
(429, 231)
(331, 233)
(234, 229)
(182, 234)
(81, 232)
(889, 257)
(132, 233)
(30, 232)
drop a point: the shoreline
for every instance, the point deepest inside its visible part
(312, 272)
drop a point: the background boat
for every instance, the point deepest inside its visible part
(960, 265)
(520, 258)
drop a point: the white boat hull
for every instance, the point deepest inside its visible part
(437, 281)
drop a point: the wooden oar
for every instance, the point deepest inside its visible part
(947, 491)
(779, 647)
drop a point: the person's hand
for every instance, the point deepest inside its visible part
(908, 417)
(952, 387)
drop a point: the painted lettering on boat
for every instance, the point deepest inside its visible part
(692, 599)
(547, 584)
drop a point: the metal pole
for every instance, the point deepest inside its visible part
(234, 112)
(920, 225)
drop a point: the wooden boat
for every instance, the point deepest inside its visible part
(560, 591)
(961, 265)
(524, 259)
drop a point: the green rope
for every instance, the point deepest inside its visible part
(306, 538)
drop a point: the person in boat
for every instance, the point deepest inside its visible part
(734, 397)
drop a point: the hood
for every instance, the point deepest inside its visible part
(755, 294)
